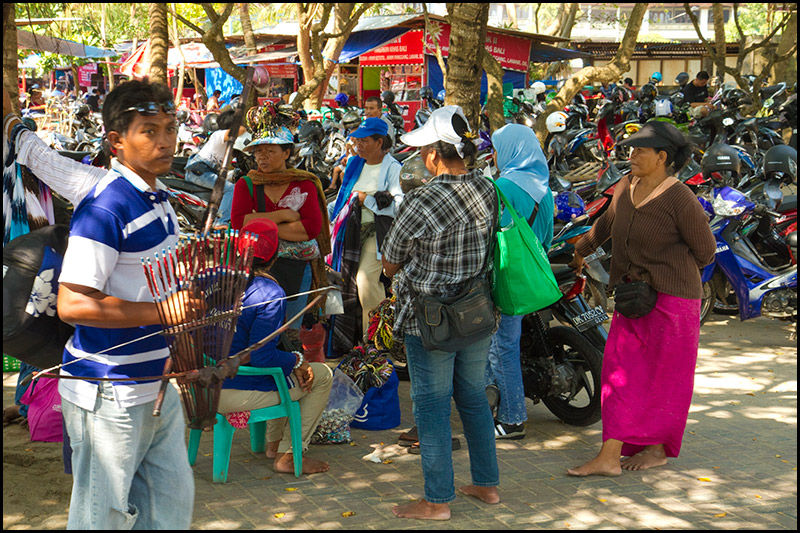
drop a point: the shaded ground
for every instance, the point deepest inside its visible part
(737, 469)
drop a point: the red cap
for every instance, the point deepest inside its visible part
(267, 232)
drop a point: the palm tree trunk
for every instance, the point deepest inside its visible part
(10, 71)
(159, 43)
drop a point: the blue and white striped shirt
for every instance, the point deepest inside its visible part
(120, 221)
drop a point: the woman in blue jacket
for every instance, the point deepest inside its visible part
(524, 180)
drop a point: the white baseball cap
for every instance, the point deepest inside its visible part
(439, 127)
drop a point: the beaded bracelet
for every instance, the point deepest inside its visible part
(301, 359)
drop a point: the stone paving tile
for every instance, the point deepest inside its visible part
(732, 439)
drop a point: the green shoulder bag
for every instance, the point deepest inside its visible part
(523, 281)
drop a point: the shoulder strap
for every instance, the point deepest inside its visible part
(260, 201)
(261, 205)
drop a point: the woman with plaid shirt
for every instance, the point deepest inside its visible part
(441, 239)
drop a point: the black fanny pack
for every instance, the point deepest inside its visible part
(634, 299)
(453, 324)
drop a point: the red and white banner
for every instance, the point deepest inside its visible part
(511, 52)
(405, 50)
(85, 74)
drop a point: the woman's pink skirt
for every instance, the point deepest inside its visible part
(648, 375)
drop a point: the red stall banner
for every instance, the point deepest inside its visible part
(511, 52)
(405, 50)
(85, 74)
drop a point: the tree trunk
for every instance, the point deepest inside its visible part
(494, 96)
(719, 40)
(247, 29)
(511, 9)
(610, 72)
(176, 40)
(787, 70)
(10, 71)
(159, 43)
(76, 82)
(317, 63)
(464, 65)
(563, 24)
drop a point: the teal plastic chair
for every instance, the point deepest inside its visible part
(223, 431)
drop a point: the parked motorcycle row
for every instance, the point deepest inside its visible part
(740, 167)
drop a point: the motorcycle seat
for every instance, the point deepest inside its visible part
(766, 92)
(72, 154)
(183, 185)
(563, 273)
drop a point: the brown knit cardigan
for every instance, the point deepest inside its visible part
(665, 241)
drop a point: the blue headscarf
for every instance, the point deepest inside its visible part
(521, 160)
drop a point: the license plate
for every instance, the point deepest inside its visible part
(590, 318)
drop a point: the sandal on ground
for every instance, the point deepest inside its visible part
(408, 438)
(414, 448)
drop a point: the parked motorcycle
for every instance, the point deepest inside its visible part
(561, 365)
(760, 290)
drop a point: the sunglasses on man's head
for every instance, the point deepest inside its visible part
(152, 108)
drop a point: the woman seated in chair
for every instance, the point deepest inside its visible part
(309, 383)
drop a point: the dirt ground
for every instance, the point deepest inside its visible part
(36, 492)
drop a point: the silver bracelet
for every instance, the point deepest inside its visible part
(301, 359)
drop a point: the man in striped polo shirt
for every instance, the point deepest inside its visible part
(130, 469)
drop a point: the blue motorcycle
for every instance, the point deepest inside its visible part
(760, 289)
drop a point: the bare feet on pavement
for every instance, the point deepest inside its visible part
(597, 466)
(485, 494)
(284, 463)
(651, 457)
(423, 510)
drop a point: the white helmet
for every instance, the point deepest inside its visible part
(556, 122)
(663, 108)
(538, 87)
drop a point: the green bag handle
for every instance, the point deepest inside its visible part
(514, 215)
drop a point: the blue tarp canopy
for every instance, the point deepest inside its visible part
(216, 78)
(435, 78)
(542, 53)
(365, 41)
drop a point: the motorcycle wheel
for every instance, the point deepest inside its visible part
(707, 302)
(188, 221)
(580, 407)
(728, 306)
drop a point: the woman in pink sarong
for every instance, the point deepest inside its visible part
(660, 235)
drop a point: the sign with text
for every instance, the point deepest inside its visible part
(511, 52)
(405, 50)
(85, 74)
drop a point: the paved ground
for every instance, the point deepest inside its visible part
(737, 469)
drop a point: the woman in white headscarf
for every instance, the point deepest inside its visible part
(524, 179)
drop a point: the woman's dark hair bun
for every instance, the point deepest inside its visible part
(682, 156)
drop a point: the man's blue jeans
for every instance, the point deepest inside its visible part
(504, 370)
(435, 378)
(130, 468)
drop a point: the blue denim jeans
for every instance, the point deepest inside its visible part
(435, 378)
(207, 180)
(504, 370)
(130, 469)
(294, 307)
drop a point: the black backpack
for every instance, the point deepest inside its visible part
(32, 331)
